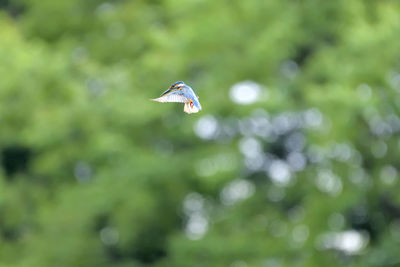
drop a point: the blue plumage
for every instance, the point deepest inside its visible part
(181, 93)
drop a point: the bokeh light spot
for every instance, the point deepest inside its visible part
(206, 127)
(245, 93)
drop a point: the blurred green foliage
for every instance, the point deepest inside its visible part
(94, 174)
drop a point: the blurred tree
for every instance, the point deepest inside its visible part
(292, 162)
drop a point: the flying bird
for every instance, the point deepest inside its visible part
(181, 93)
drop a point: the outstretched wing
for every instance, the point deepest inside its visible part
(174, 96)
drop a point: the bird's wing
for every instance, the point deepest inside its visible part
(189, 93)
(174, 96)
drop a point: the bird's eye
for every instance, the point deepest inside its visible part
(176, 85)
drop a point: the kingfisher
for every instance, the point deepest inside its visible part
(181, 93)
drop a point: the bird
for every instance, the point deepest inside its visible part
(181, 93)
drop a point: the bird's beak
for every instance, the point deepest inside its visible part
(166, 92)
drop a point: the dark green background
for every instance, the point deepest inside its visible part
(94, 174)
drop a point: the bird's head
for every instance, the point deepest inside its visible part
(175, 86)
